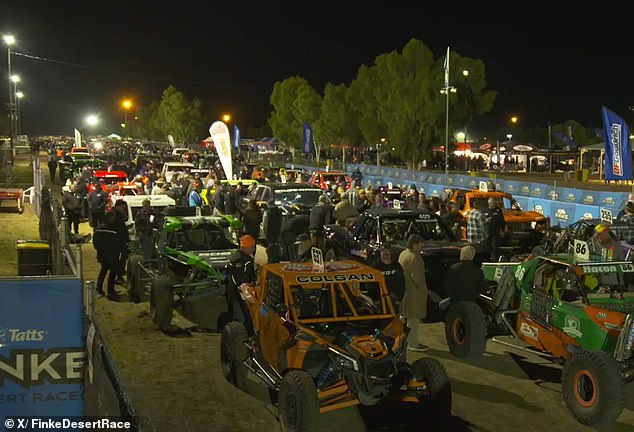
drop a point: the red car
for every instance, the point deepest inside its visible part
(323, 178)
(110, 178)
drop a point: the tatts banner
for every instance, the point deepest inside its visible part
(220, 134)
(618, 154)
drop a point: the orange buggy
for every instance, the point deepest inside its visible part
(323, 340)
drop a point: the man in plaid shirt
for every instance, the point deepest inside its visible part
(476, 227)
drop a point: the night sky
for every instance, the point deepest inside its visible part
(548, 63)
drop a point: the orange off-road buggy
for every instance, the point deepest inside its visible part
(324, 339)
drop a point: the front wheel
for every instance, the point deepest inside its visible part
(162, 302)
(298, 405)
(432, 372)
(465, 330)
(592, 387)
(233, 353)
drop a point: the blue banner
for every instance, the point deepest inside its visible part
(525, 189)
(512, 187)
(618, 153)
(584, 211)
(541, 206)
(537, 190)
(236, 137)
(570, 195)
(42, 349)
(522, 201)
(562, 213)
(590, 197)
(308, 145)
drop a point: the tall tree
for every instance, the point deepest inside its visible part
(294, 102)
(177, 116)
(337, 123)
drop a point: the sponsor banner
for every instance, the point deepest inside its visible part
(569, 195)
(551, 192)
(562, 213)
(541, 206)
(589, 197)
(439, 179)
(434, 190)
(460, 181)
(612, 200)
(42, 348)
(512, 187)
(618, 153)
(220, 134)
(308, 143)
(587, 212)
(499, 185)
(537, 190)
(525, 189)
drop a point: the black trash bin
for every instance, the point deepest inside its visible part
(34, 258)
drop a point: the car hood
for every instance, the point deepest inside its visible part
(511, 216)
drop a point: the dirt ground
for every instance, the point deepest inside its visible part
(175, 384)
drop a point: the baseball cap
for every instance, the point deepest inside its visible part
(600, 228)
(413, 239)
(247, 241)
(302, 237)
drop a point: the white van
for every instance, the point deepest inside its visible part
(178, 152)
(169, 168)
(135, 202)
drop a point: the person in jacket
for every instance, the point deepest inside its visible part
(72, 203)
(496, 226)
(252, 218)
(364, 202)
(219, 200)
(394, 276)
(97, 202)
(465, 280)
(344, 212)
(414, 304)
(272, 223)
(320, 215)
(106, 242)
(291, 229)
(304, 248)
(194, 198)
(146, 221)
(120, 210)
(241, 269)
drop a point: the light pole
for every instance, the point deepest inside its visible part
(446, 90)
(15, 79)
(126, 104)
(9, 40)
(19, 95)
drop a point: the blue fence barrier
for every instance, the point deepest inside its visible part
(42, 349)
(564, 205)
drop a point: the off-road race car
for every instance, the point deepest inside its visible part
(583, 230)
(518, 222)
(188, 274)
(579, 313)
(323, 340)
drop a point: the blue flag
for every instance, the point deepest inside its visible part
(618, 153)
(566, 139)
(308, 146)
(236, 137)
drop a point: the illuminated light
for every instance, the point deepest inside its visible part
(465, 72)
(8, 39)
(19, 95)
(226, 117)
(15, 78)
(126, 104)
(514, 119)
(92, 120)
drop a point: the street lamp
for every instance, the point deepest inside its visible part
(9, 40)
(226, 118)
(514, 119)
(126, 104)
(465, 72)
(446, 90)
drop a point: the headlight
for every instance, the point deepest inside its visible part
(344, 360)
(623, 349)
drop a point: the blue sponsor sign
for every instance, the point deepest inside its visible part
(512, 187)
(522, 201)
(42, 350)
(537, 190)
(460, 180)
(551, 192)
(587, 212)
(525, 189)
(541, 206)
(499, 185)
(611, 200)
(589, 197)
(562, 213)
(569, 195)
(308, 143)
(439, 179)
(618, 153)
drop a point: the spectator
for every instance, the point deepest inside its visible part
(145, 222)
(52, 165)
(194, 198)
(394, 276)
(628, 213)
(71, 201)
(605, 244)
(353, 194)
(453, 219)
(97, 202)
(219, 200)
(252, 219)
(344, 212)
(120, 210)
(364, 202)
(496, 226)
(230, 202)
(476, 228)
(106, 242)
(465, 281)
(290, 230)
(159, 187)
(304, 248)
(320, 215)
(414, 304)
(241, 269)
(272, 223)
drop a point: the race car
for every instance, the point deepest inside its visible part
(572, 310)
(188, 273)
(324, 339)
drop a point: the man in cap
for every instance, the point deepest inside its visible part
(241, 269)
(465, 281)
(304, 246)
(414, 304)
(605, 244)
(453, 219)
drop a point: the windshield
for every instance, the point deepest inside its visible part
(341, 301)
(397, 229)
(297, 196)
(198, 239)
(503, 202)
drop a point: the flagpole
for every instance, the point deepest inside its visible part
(446, 90)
